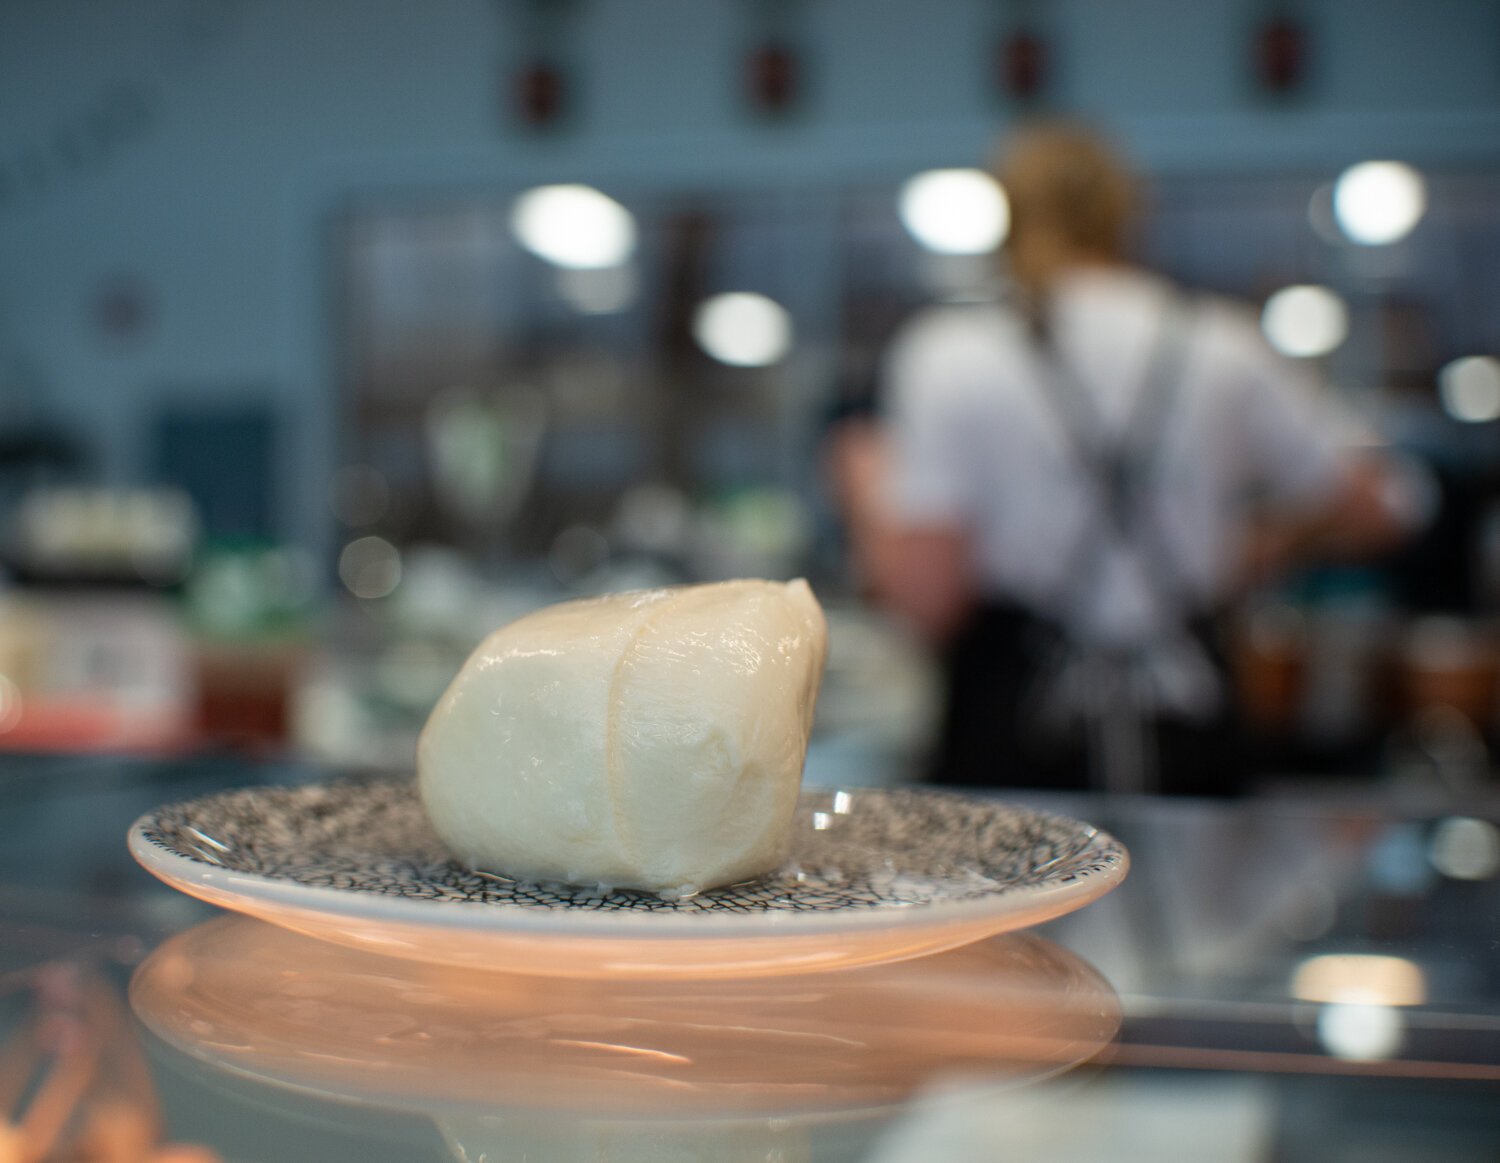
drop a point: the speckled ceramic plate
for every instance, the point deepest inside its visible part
(873, 876)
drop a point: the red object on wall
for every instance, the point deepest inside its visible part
(1281, 55)
(1023, 64)
(541, 93)
(773, 76)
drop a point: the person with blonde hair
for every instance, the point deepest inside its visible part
(1070, 486)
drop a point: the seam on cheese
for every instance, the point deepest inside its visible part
(626, 841)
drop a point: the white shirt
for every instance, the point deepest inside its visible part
(977, 446)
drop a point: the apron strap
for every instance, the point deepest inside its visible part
(1118, 691)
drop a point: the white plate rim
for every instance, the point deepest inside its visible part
(1039, 902)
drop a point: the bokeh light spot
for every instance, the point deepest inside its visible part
(743, 329)
(370, 567)
(1470, 388)
(1305, 321)
(955, 211)
(1377, 203)
(573, 226)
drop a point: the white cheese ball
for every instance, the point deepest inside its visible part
(651, 740)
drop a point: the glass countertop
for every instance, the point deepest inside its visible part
(1298, 977)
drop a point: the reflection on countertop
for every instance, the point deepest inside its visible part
(564, 1064)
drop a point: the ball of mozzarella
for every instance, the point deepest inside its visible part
(650, 740)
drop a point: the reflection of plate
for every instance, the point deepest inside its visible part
(285, 1009)
(874, 876)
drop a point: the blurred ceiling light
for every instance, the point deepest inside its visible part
(1379, 202)
(743, 329)
(574, 226)
(600, 290)
(1464, 848)
(370, 567)
(1305, 321)
(1360, 1032)
(955, 211)
(1360, 978)
(1470, 388)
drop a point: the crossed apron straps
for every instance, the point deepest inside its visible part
(1104, 686)
(1120, 473)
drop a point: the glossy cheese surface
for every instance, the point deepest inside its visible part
(652, 739)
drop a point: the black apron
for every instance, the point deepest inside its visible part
(1000, 726)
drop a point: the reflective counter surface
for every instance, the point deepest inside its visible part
(1309, 977)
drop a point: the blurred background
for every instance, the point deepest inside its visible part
(334, 335)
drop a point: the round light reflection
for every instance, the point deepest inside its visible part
(955, 211)
(574, 226)
(1305, 321)
(1464, 848)
(1470, 388)
(1365, 978)
(576, 552)
(370, 567)
(1379, 202)
(1360, 1031)
(743, 329)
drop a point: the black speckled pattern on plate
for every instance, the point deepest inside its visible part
(857, 850)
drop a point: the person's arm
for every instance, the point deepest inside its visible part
(918, 571)
(1364, 515)
(1330, 492)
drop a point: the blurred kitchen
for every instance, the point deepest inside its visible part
(333, 335)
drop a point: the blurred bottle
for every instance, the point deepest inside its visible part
(250, 610)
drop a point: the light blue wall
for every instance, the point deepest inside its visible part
(283, 109)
